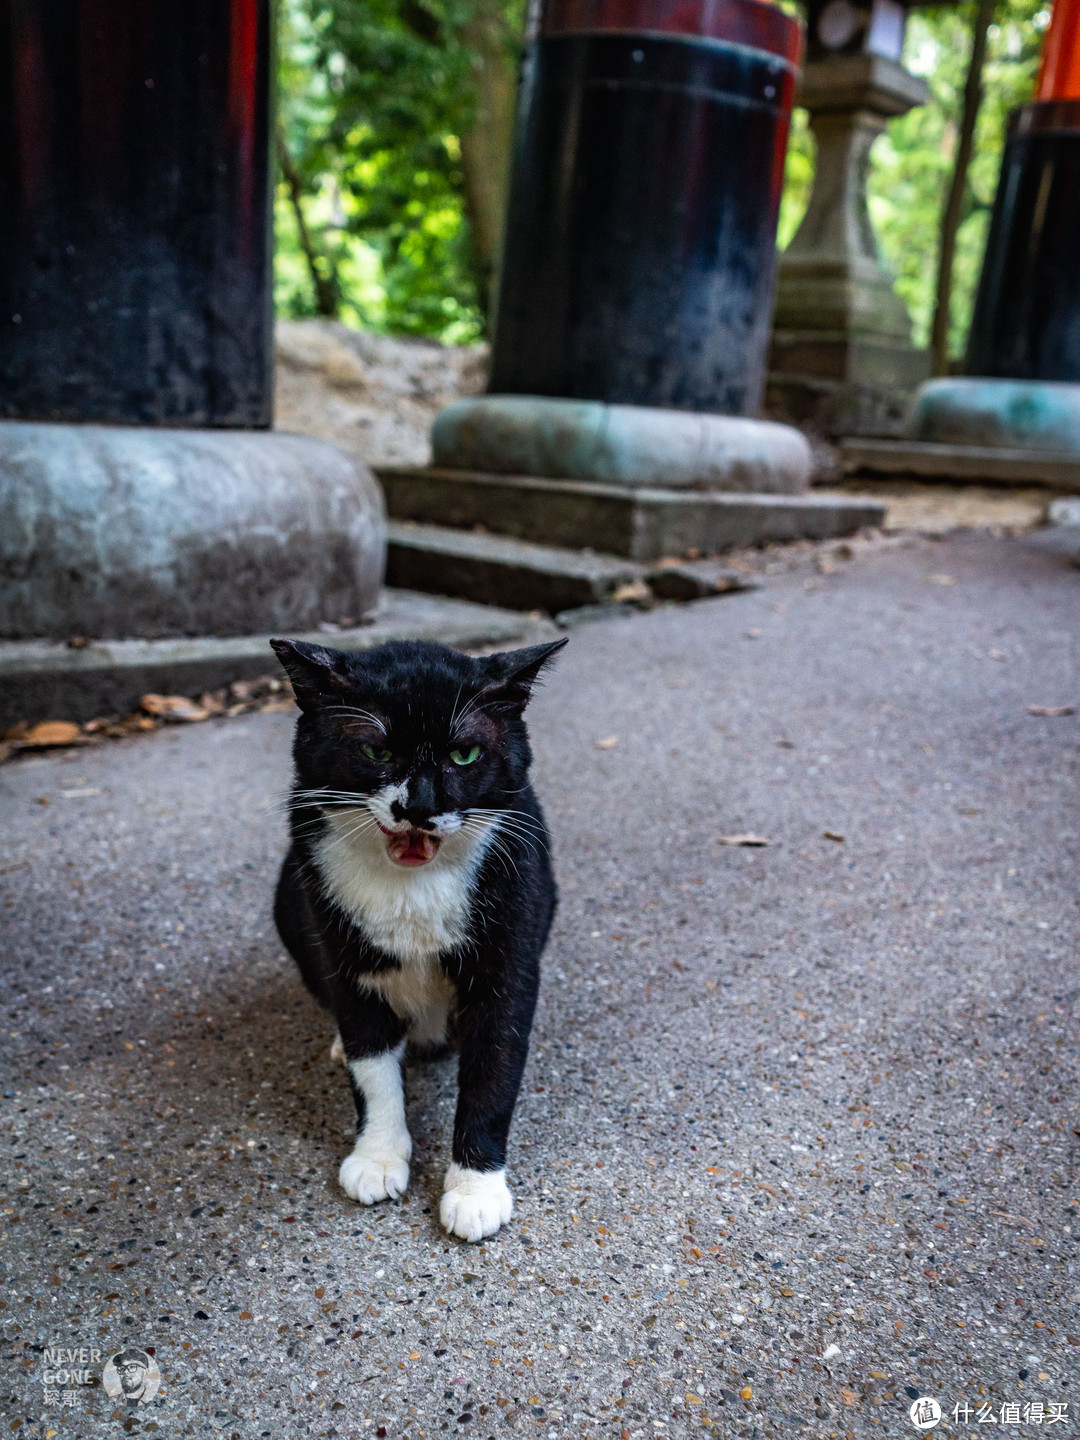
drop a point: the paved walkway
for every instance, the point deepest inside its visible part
(799, 1133)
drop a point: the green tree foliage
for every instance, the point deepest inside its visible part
(912, 161)
(376, 96)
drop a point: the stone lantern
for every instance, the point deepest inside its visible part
(842, 360)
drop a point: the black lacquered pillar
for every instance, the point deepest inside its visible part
(1026, 324)
(135, 239)
(640, 243)
(1021, 387)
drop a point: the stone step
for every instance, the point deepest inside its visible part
(966, 464)
(49, 680)
(494, 570)
(640, 524)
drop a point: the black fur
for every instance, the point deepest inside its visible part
(416, 689)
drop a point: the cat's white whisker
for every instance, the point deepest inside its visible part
(362, 714)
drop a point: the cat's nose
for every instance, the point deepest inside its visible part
(418, 816)
(420, 804)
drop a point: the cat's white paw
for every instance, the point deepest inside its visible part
(368, 1176)
(337, 1050)
(475, 1203)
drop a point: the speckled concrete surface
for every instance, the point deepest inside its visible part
(799, 1131)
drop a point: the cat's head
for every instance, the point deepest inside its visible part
(423, 737)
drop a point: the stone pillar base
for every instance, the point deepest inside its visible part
(122, 533)
(1037, 415)
(625, 445)
(982, 431)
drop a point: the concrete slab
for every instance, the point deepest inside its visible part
(981, 464)
(798, 1124)
(643, 524)
(42, 679)
(494, 570)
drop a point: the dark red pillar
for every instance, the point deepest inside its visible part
(1026, 324)
(135, 239)
(641, 232)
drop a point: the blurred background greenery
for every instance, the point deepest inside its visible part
(396, 119)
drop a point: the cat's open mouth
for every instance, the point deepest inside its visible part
(410, 847)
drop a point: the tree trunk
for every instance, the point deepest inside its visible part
(954, 205)
(486, 147)
(325, 286)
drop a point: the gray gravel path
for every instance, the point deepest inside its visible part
(799, 1133)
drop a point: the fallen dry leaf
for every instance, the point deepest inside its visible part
(608, 743)
(633, 590)
(173, 707)
(746, 1393)
(848, 1396)
(1052, 710)
(747, 839)
(265, 692)
(49, 733)
(833, 835)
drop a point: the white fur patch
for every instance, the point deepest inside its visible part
(378, 1168)
(475, 1203)
(414, 914)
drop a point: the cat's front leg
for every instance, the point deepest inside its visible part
(494, 1039)
(378, 1167)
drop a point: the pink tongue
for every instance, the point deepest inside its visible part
(414, 847)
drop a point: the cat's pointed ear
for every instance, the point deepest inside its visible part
(512, 675)
(316, 672)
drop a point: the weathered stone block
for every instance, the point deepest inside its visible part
(115, 532)
(979, 464)
(1038, 415)
(698, 579)
(46, 679)
(643, 524)
(630, 445)
(496, 571)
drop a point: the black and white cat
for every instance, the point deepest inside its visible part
(417, 894)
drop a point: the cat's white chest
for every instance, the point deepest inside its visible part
(413, 914)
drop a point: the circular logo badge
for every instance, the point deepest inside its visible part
(925, 1413)
(132, 1376)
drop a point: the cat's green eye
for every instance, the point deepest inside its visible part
(373, 753)
(465, 757)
